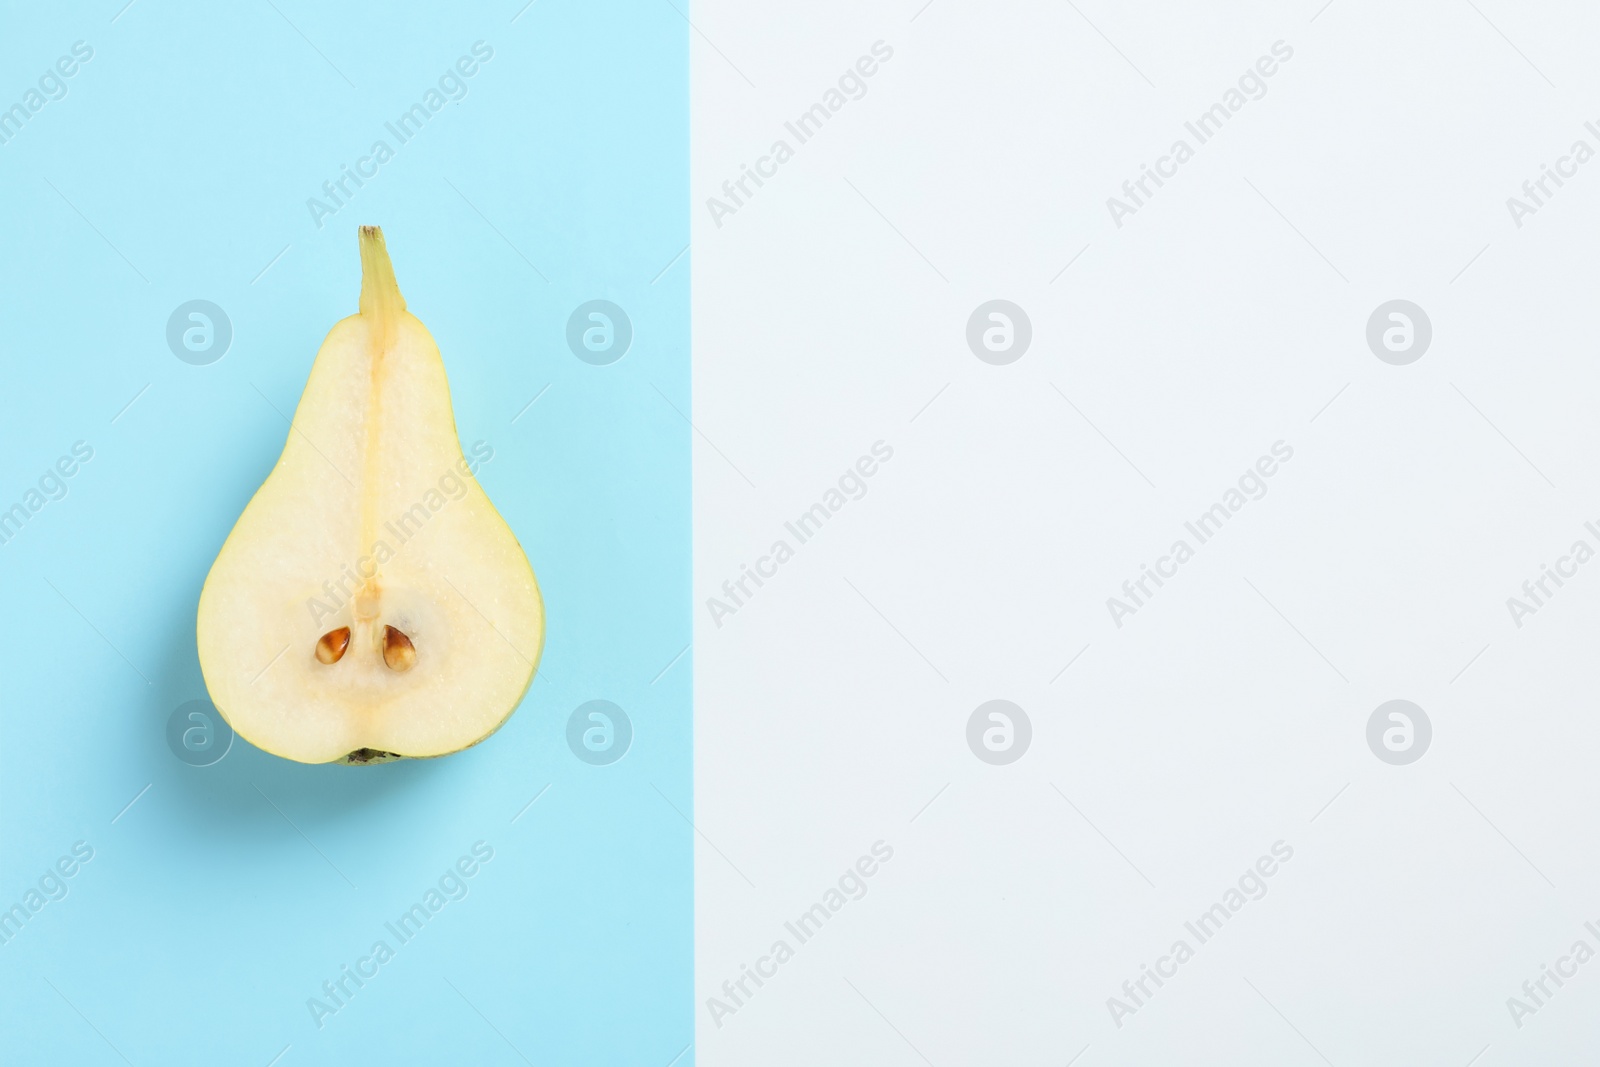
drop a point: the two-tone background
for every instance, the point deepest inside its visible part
(1140, 604)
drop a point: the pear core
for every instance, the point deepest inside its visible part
(371, 604)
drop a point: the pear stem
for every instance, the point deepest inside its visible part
(380, 293)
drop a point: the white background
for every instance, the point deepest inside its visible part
(1227, 314)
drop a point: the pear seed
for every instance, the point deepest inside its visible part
(332, 645)
(398, 651)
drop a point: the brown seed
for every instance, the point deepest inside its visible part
(332, 645)
(398, 651)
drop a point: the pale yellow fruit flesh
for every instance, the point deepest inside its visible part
(370, 520)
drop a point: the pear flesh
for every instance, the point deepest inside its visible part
(370, 603)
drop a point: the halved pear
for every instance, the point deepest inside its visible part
(370, 603)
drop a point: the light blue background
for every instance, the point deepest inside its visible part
(191, 142)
